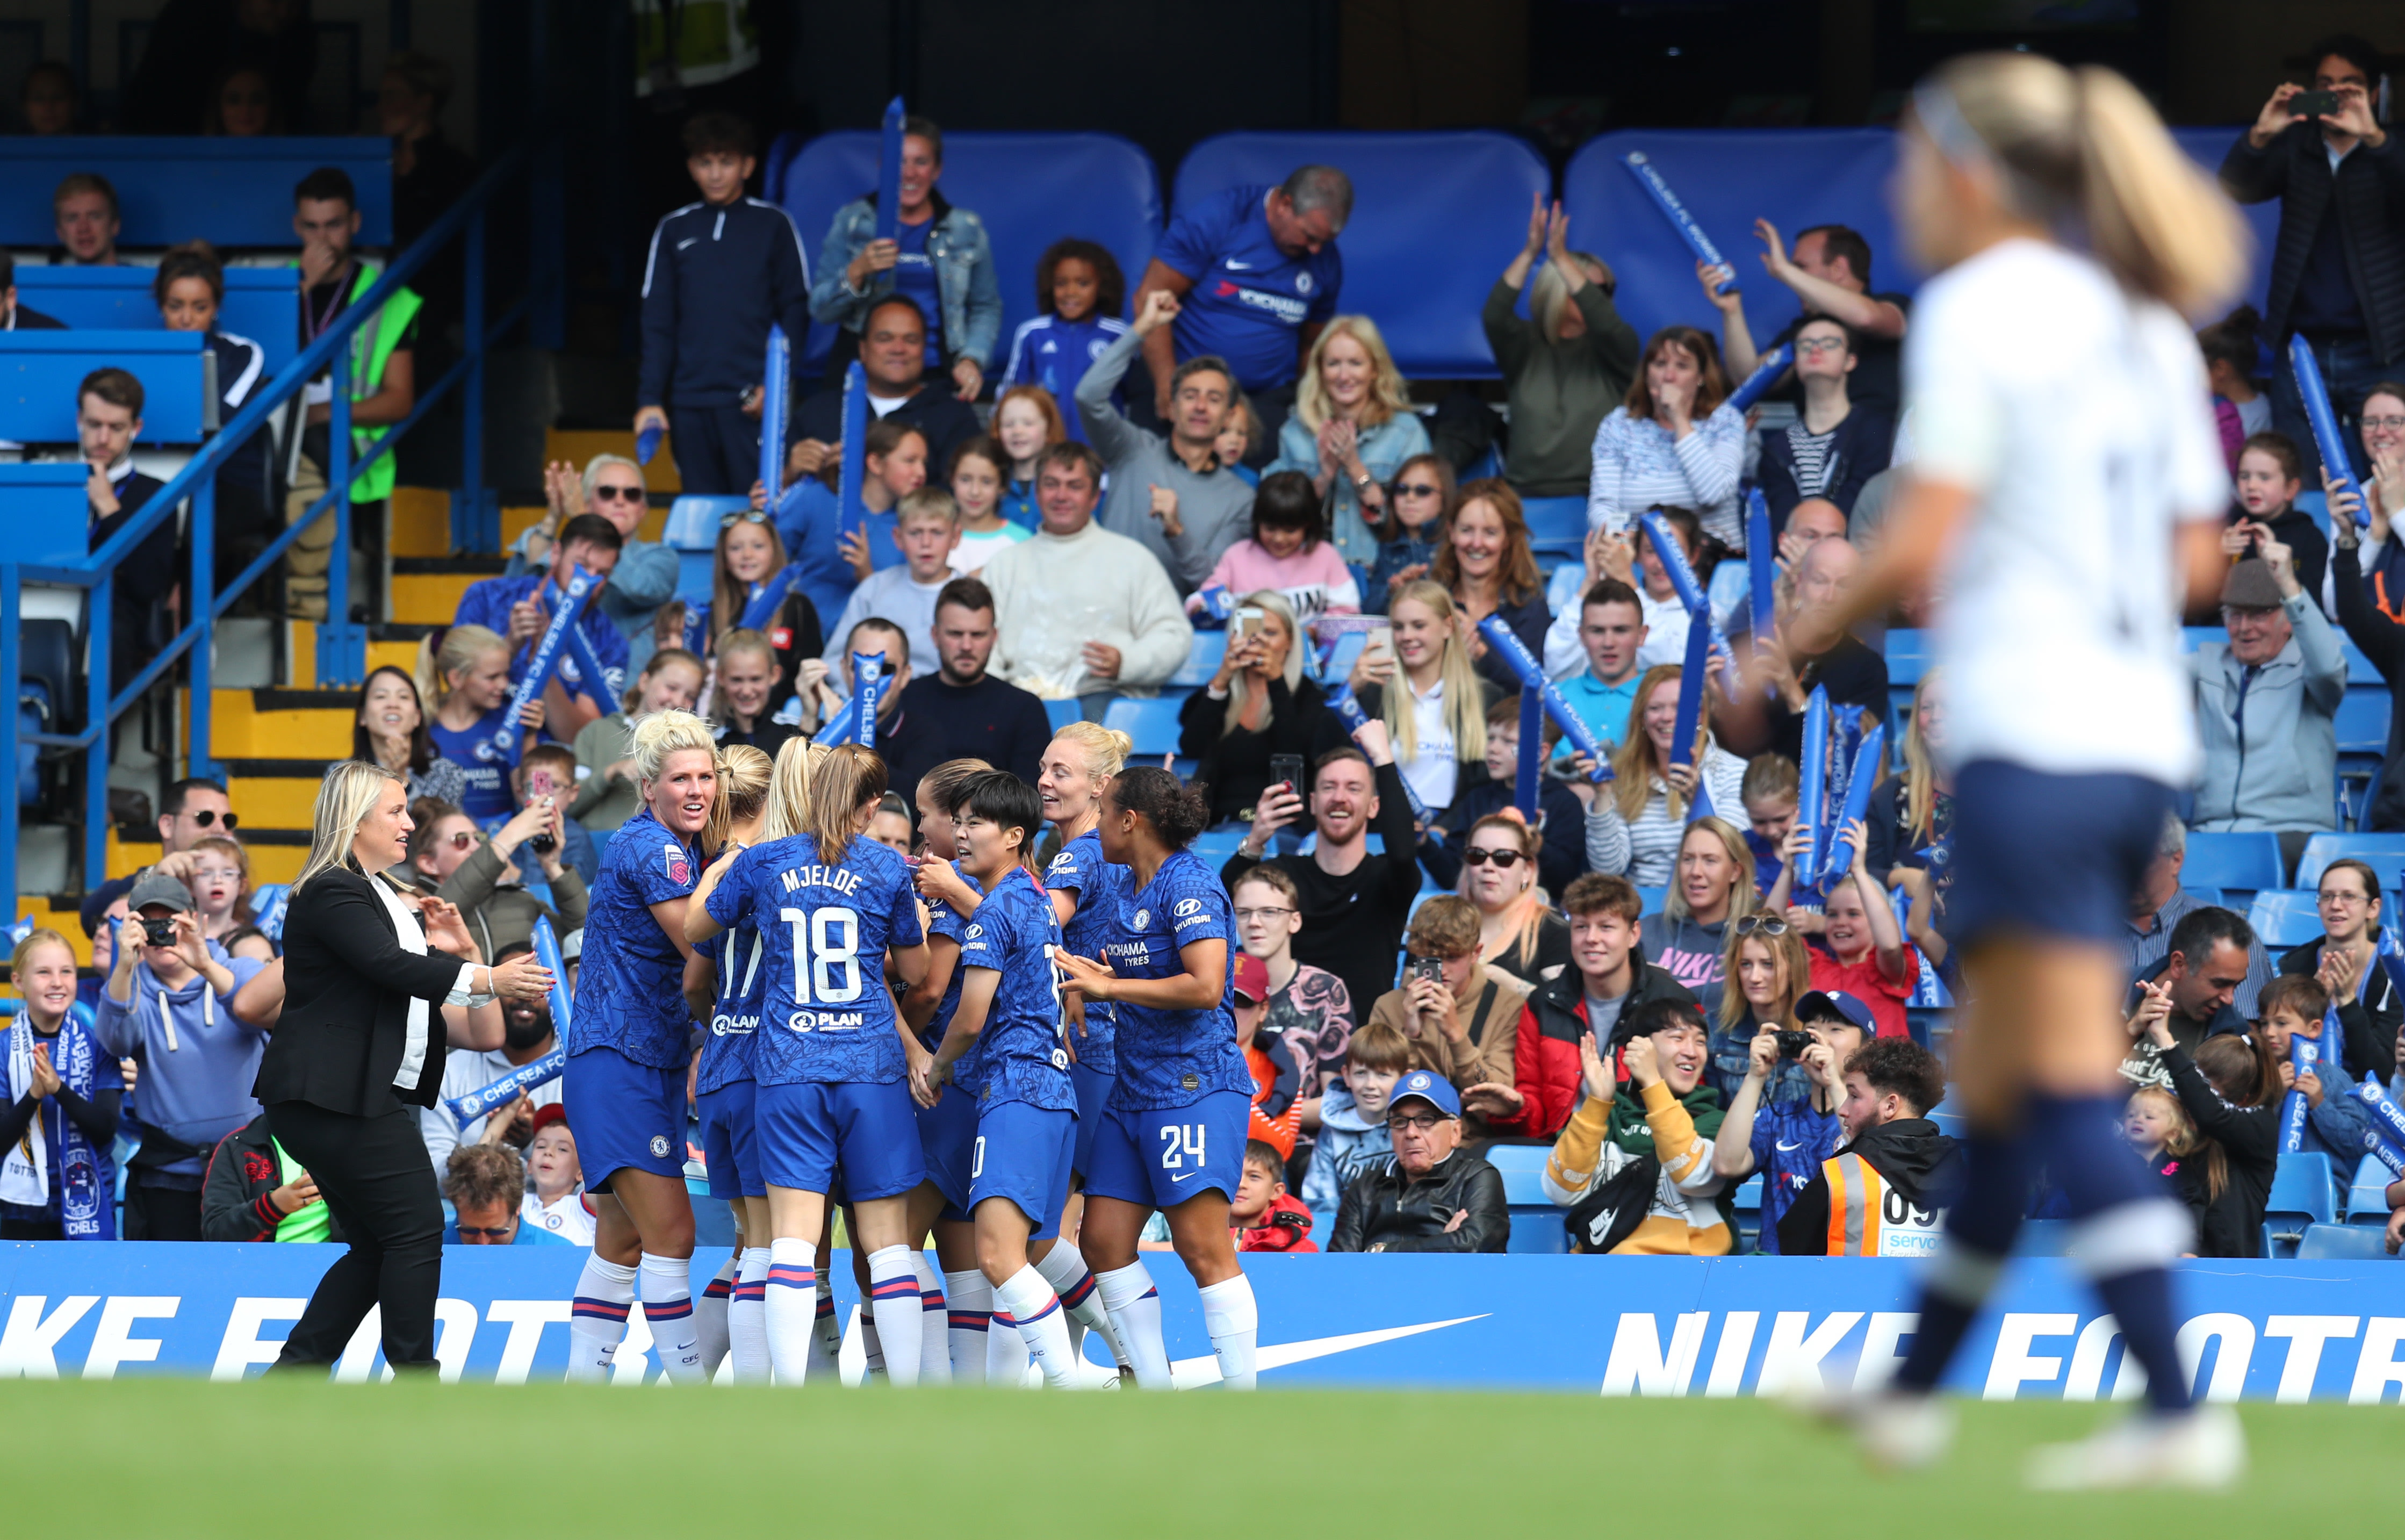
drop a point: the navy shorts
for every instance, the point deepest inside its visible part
(1161, 1156)
(806, 1130)
(623, 1114)
(1093, 1100)
(729, 1148)
(1021, 1153)
(2050, 856)
(946, 1133)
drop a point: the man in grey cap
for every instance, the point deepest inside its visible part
(168, 1002)
(2267, 707)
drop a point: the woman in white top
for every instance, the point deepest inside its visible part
(1674, 441)
(1636, 819)
(2066, 495)
(1437, 720)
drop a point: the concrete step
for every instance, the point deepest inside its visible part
(276, 854)
(426, 591)
(274, 793)
(60, 914)
(281, 724)
(421, 521)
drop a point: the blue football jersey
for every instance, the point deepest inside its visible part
(630, 982)
(827, 1015)
(944, 920)
(1080, 869)
(486, 768)
(1171, 1058)
(1250, 301)
(734, 1024)
(1022, 1054)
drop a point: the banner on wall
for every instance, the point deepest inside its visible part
(1650, 1326)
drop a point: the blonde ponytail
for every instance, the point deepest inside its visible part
(789, 788)
(744, 774)
(1106, 748)
(462, 645)
(658, 734)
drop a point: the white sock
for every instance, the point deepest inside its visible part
(1006, 1350)
(872, 1348)
(967, 1321)
(1064, 1268)
(667, 1285)
(1134, 1306)
(826, 1331)
(1234, 1323)
(893, 1301)
(709, 1318)
(935, 1347)
(597, 1318)
(789, 1294)
(1042, 1325)
(747, 1321)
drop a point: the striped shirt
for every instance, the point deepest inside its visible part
(1636, 466)
(1645, 849)
(1811, 453)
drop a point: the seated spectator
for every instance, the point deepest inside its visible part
(1170, 495)
(1419, 514)
(190, 290)
(1861, 950)
(1309, 1006)
(193, 809)
(1026, 422)
(1351, 429)
(1560, 853)
(1353, 1135)
(84, 209)
(2266, 707)
(1264, 1218)
(1834, 445)
(242, 106)
(980, 468)
(1083, 612)
(1767, 959)
(556, 1200)
(1516, 932)
(2345, 962)
(526, 1035)
(1276, 1117)
(2384, 498)
(1462, 1017)
(390, 729)
(743, 692)
(1080, 293)
(745, 578)
(644, 580)
(1608, 627)
(1258, 708)
(2335, 1121)
(1772, 790)
(468, 674)
(16, 316)
(1897, 1172)
(607, 792)
(109, 419)
(48, 100)
(894, 357)
(2230, 1088)
(1711, 884)
(1431, 1196)
(809, 521)
(2269, 479)
(959, 710)
(927, 526)
(1486, 564)
(2158, 906)
(547, 774)
(2232, 346)
(2158, 1129)
(1238, 432)
(1353, 902)
(1438, 719)
(485, 1184)
(1767, 716)
(479, 876)
(519, 611)
(938, 258)
(1633, 1164)
(1911, 816)
(252, 1191)
(1633, 562)
(162, 1005)
(1830, 272)
(2366, 615)
(2198, 976)
(1289, 553)
(1674, 440)
(1787, 1137)
(220, 886)
(65, 1091)
(1635, 822)
(1566, 366)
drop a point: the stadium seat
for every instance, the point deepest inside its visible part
(1907, 659)
(2284, 917)
(261, 303)
(1201, 661)
(2242, 862)
(1652, 898)
(231, 192)
(1029, 189)
(1745, 1213)
(1213, 846)
(1419, 251)
(1151, 723)
(2205, 895)
(2386, 853)
(40, 370)
(2042, 1237)
(2366, 1197)
(1062, 712)
(2342, 1243)
(692, 533)
(1557, 526)
(2301, 1195)
(1535, 1223)
(2315, 506)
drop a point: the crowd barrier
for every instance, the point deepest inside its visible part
(230, 192)
(1623, 1326)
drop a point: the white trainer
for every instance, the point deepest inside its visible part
(1895, 1432)
(2201, 1450)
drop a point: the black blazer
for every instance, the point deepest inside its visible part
(347, 985)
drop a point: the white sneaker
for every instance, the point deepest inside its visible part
(2201, 1450)
(1895, 1432)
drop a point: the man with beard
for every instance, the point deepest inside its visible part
(526, 1035)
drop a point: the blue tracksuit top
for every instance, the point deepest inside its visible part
(715, 280)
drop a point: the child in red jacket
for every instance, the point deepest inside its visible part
(1262, 1216)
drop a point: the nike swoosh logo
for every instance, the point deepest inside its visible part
(1233, 265)
(1190, 1374)
(1784, 1147)
(1188, 1177)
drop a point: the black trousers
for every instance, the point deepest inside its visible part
(161, 1213)
(717, 449)
(379, 1187)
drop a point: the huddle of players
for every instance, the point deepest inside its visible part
(960, 1076)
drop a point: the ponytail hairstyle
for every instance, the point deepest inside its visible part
(2241, 1069)
(846, 778)
(743, 777)
(789, 788)
(1003, 798)
(1177, 810)
(1106, 748)
(659, 734)
(2082, 151)
(461, 647)
(944, 785)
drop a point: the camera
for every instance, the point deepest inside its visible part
(1792, 1044)
(1430, 968)
(2315, 103)
(159, 932)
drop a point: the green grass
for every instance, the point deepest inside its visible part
(188, 1459)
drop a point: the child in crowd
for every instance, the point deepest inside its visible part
(2293, 1005)
(1771, 791)
(745, 578)
(1288, 552)
(927, 527)
(1080, 296)
(1237, 436)
(1353, 1118)
(1420, 505)
(2270, 474)
(1276, 1115)
(1787, 1137)
(1261, 1214)
(2231, 1089)
(2239, 410)
(221, 886)
(549, 771)
(2165, 1138)
(555, 1199)
(607, 795)
(1861, 949)
(893, 465)
(977, 475)
(741, 692)
(1026, 422)
(466, 676)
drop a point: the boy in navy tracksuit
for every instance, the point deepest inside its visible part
(719, 272)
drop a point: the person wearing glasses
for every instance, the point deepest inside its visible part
(192, 810)
(2366, 614)
(1309, 1006)
(1567, 365)
(1787, 1137)
(1766, 969)
(1834, 445)
(486, 1184)
(481, 877)
(1419, 510)
(2344, 959)
(2380, 561)
(1432, 1195)
(645, 577)
(1518, 932)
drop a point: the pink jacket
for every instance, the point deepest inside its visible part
(1315, 580)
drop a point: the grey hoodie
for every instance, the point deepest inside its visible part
(1349, 1144)
(197, 1060)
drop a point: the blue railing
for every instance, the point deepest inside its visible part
(340, 642)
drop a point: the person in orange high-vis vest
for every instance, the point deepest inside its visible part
(1884, 1193)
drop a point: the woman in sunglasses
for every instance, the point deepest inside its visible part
(1711, 884)
(480, 876)
(1419, 510)
(1766, 969)
(1516, 932)
(612, 486)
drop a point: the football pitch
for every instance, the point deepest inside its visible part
(183, 1458)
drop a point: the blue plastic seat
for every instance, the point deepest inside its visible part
(1064, 712)
(2342, 1243)
(1652, 897)
(1557, 524)
(2366, 1197)
(1908, 659)
(2284, 917)
(1201, 661)
(1151, 723)
(2386, 853)
(2042, 1237)
(692, 533)
(2301, 1195)
(1524, 1158)
(2245, 862)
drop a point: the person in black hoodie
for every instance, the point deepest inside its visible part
(2383, 640)
(1885, 1191)
(2232, 1091)
(2346, 959)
